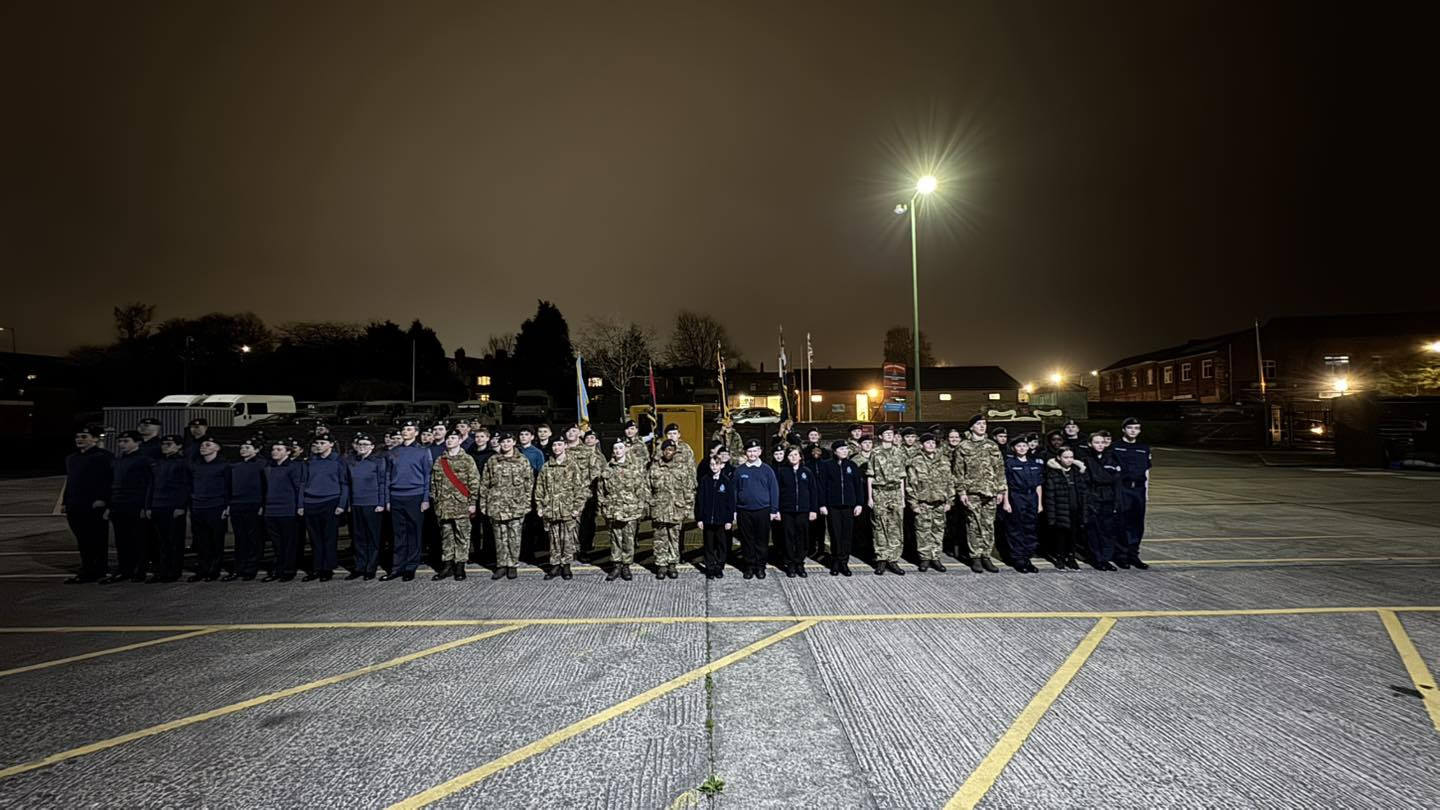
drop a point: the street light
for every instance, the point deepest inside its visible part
(1433, 346)
(1057, 378)
(1341, 385)
(924, 185)
(244, 349)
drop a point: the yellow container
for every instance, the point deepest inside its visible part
(689, 418)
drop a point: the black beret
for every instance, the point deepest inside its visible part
(837, 444)
(629, 423)
(590, 433)
(362, 437)
(199, 422)
(864, 439)
(907, 431)
(793, 437)
(172, 438)
(979, 417)
(1129, 420)
(502, 436)
(404, 423)
(322, 437)
(887, 429)
(92, 430)
(1069, 422)
(1000, 431)
(671, 426)
(526, 429)
(211, 439)
(455, 424)
(856, 427)
(749, 443)
(132, 435)
(481, 429)
(149, 420)
(927, 437)
(668, 444)
(253, 441)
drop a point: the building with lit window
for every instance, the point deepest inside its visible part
(952, 393)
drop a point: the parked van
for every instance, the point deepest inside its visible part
(486, 411)
(181, 400)
(378, 412)
(248, 408)
(533, 405)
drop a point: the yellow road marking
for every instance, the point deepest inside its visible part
(261, 700)
(1414, 664)
(1253, 561)
(688, 799)
(989, 769)
(1267, 537)
(622, 620)
(85, 656)
(549, 741)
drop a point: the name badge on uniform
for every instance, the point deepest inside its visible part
(722, 487)
(803, 477)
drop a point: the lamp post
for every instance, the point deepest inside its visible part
(924, 185)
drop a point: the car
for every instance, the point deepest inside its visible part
(755, 416)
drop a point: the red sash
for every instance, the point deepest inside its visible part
(454, 479)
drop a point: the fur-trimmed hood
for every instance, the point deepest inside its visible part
(1054, 464)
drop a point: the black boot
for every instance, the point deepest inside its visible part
(625, 572)
(443, 573)
(498, 573)
(554, 571)
(459, 570)
(989, 565)
(614, 573)
(565, 572)
(511, 573)
(923, 566)
(1140, 564)
(894, 568)
(937, 566)
(672, 573)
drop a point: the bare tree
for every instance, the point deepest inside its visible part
(500, 343)
(133, 321)
(618, 351)
(694, 339)
(900, 349)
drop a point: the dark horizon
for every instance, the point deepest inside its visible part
(1115, 178)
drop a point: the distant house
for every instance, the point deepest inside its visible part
(1312, 357)
(951, 393)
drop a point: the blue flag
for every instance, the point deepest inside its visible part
(582, 397)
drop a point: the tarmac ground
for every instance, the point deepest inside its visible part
(1279, 652)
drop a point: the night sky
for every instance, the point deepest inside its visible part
(1115, 176)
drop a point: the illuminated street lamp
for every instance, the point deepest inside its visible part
(1029, 388)
(244, 349)
(1057, 378)
(1341, 385)
(924, 185)
(1433, 346)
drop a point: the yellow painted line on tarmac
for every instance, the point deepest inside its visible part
(984, 775)
(1414, 664)
(104, 745)
(549, 741)
(1263, 560)
(111, 651)
(630, 620)
(1267, 537)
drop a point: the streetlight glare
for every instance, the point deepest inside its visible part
(245, 349)
(1057, 378)
(1433, 346)
(927, 184)
(901, 209)
(1342, 385)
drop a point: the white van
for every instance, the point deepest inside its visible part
(181, 400)
(248, 408)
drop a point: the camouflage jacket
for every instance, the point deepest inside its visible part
(672, 490)
(979, 467)
(588, 460)
(931, 480)
(445, 499)
(624, 491)
(562, 488)
(732, 440)
(910, 450)
(855, 450)
(887, 467)
(862, 460)
(636, 451)
(506, 486)
(682, 452)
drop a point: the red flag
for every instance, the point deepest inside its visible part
(654, 400)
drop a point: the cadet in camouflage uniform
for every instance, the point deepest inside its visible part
(507, 486)
(980, 483)
(727, 435)
(857, 433)
(885, 474)
(635, 450)
(560, 495)
(624, 494)
(683, 450)
(930, 490)
(453, 508)
(672, 501)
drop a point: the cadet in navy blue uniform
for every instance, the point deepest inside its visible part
(131, 474)
(369, 490)
(715, 507)
(1102, 500)
(284, 491)
(757, 503)
(247, 503)
(149, 430)
(327, 496)
(198, 429)
(168, 501)
(842, 489)
(209, 499)
(409, 476)
(1134, 457)
(87, 491)
(799, 507)
(1022, 504)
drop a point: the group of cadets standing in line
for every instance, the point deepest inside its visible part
(456, 482)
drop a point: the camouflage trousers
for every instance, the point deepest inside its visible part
(455, 539)
(668, 540)
(622, 541)
(929, 529)
(564, 537)
(980, 525)
(507, 542)
(888, 519)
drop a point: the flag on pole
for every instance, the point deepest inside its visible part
(654, 399)
(582, 397)
(785, 414)
(720, 364)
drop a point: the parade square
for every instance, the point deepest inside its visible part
(1280, 651)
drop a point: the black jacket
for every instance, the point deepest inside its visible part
(841, 483)
(799, 489)
(1064, 494)
(87, 477)
(715, 497)
(1103, 483)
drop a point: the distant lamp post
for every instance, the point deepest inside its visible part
(1057, 378)
(873, 393)
(244, 349)
(1341, 385)
(1029, 388)
(923, 186)
(1094, 373)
